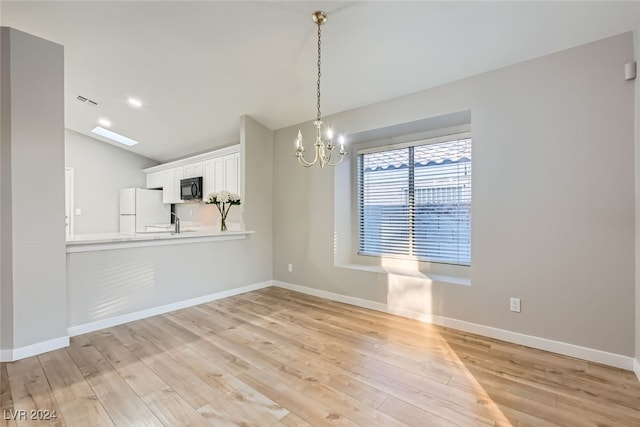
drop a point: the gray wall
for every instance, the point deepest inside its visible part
(636, 44)
(6, 283)
(33, 190)
(256, 154)
(105, 284)
(100, 171)
(553, 201)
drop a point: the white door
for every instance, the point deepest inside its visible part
(68, 201)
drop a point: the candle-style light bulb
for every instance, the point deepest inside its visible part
(329, 134)
(299, 139)
(341, 139)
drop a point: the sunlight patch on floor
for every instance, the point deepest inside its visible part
(412, 297)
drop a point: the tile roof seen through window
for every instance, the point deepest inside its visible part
(424, 155)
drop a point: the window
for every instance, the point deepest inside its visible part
(415, 200)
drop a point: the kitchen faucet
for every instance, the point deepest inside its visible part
(177, 223)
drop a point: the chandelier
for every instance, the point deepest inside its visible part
(323, 152)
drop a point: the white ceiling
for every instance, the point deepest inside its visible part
(199, 66)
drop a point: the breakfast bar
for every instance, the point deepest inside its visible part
(114, 278)
(111, 241)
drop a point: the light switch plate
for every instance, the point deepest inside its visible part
(78, 211)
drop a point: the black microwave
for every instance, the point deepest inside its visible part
(191, 188)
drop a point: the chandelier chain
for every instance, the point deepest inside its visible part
(318, 86)
(323, 149)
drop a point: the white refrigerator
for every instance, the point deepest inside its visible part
(140, 207)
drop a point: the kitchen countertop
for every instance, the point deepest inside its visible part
(107, 241)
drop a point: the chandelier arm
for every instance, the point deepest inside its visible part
(327, 157)
(339, 161)
(304, 162)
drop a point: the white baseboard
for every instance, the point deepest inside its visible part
(11, 355)
(33, 349)
(142, 314)
(611, 359)
(333, 296)
(590, 354)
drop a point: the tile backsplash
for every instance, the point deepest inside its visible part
(208, 215)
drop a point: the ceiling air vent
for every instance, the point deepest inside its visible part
(86, 100)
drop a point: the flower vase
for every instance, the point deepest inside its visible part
(223, 208)
(223, 200)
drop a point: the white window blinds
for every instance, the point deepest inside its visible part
(415, 201)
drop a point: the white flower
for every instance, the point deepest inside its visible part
(222, 197)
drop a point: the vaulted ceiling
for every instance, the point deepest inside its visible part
(199, 66)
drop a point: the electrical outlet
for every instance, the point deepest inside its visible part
(290, 268)
(514, 304)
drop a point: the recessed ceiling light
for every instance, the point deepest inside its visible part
(134, 102)
(114, 136)
(104, 122)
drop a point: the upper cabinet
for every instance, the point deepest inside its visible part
(213, 178)
(232, 172)
(220, 170)
(222, 173)
(155, 179)
(171, 190)
(192, 170)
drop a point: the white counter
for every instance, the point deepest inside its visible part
(109, 241)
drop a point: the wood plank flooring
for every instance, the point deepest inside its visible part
(278, 358)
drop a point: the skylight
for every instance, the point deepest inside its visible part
(114, 136)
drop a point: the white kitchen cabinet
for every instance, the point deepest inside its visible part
(192, 170)
(168, 189)
(213, 178)
(178, 174)
(232, 172)
(220, 170)
(222, 173)
(171, 185)
(155, 179)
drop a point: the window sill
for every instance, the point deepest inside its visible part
(410, 272)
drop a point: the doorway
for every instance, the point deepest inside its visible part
(68, 201)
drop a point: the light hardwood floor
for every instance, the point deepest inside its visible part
(279, 358)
